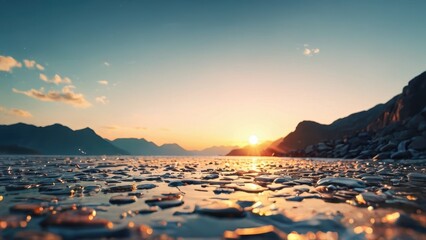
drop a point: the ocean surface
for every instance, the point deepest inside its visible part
(142, 197)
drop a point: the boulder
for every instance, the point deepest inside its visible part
(418, 143)
(401, 155)
(402, 146)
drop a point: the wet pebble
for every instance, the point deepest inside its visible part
(121, 199)
(342, 181)
(226, 209)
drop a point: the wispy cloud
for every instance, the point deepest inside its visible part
(107, 64)
(39, 67)
(101, 99)
(33, 64)
(310, 51)
(111, 127)
(56, 79)
(15, 112)
(103, 82)
(7, 63)
(66, 95)
(29, 63)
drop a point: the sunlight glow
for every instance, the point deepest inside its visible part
(253, 140)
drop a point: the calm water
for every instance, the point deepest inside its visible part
(211, 197)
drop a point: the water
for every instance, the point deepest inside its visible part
(211, 197)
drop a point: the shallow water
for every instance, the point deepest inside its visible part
(211, 197)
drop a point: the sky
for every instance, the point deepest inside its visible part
(203, 73)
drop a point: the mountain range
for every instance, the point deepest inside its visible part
(395, 129)
(57, 139)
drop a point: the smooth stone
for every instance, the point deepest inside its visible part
(148, 210)
(56, 190)
(79, 218)
(266, 178)
(250, 188)
(176, 184)
(370, 197)
(418, 143)
(416, 177)
(146, 186)
(306, 181)
(121, 199)
(294, 199)
(122, 188)
(166, 201)
(402, 155)
(226, 209)
(283, 179)
(223, 190)
(210, 176)
(342, 181)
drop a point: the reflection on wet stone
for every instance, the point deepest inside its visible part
(230, 198)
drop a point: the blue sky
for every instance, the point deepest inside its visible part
(204, 73)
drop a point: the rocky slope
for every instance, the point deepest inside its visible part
(396, 129)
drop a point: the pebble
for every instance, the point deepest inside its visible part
(342, 181)
(121, 199)
(166, 201)
(227, 209)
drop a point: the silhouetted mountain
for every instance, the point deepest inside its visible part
(395, 129)
(310, 132)
(214, 151)
(56, 140)
(143, 147)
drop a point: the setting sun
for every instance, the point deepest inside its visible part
(253, 140)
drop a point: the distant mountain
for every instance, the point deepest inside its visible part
(135, 146)
(214, 151)
(251, 150)
(53, 140)
(141, 146)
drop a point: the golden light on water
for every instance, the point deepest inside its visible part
(253, 140)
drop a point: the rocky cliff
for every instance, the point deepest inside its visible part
(396, 129)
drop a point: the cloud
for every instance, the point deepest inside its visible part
(67, 96)
(39, 67)
(31, 64)
(111, 127)
(15, 112)
(102, 99)
(107, 64)
(7, 63)
(310, 51)
(56, 79)
(103, 82)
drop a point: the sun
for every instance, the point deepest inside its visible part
(253, 140)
